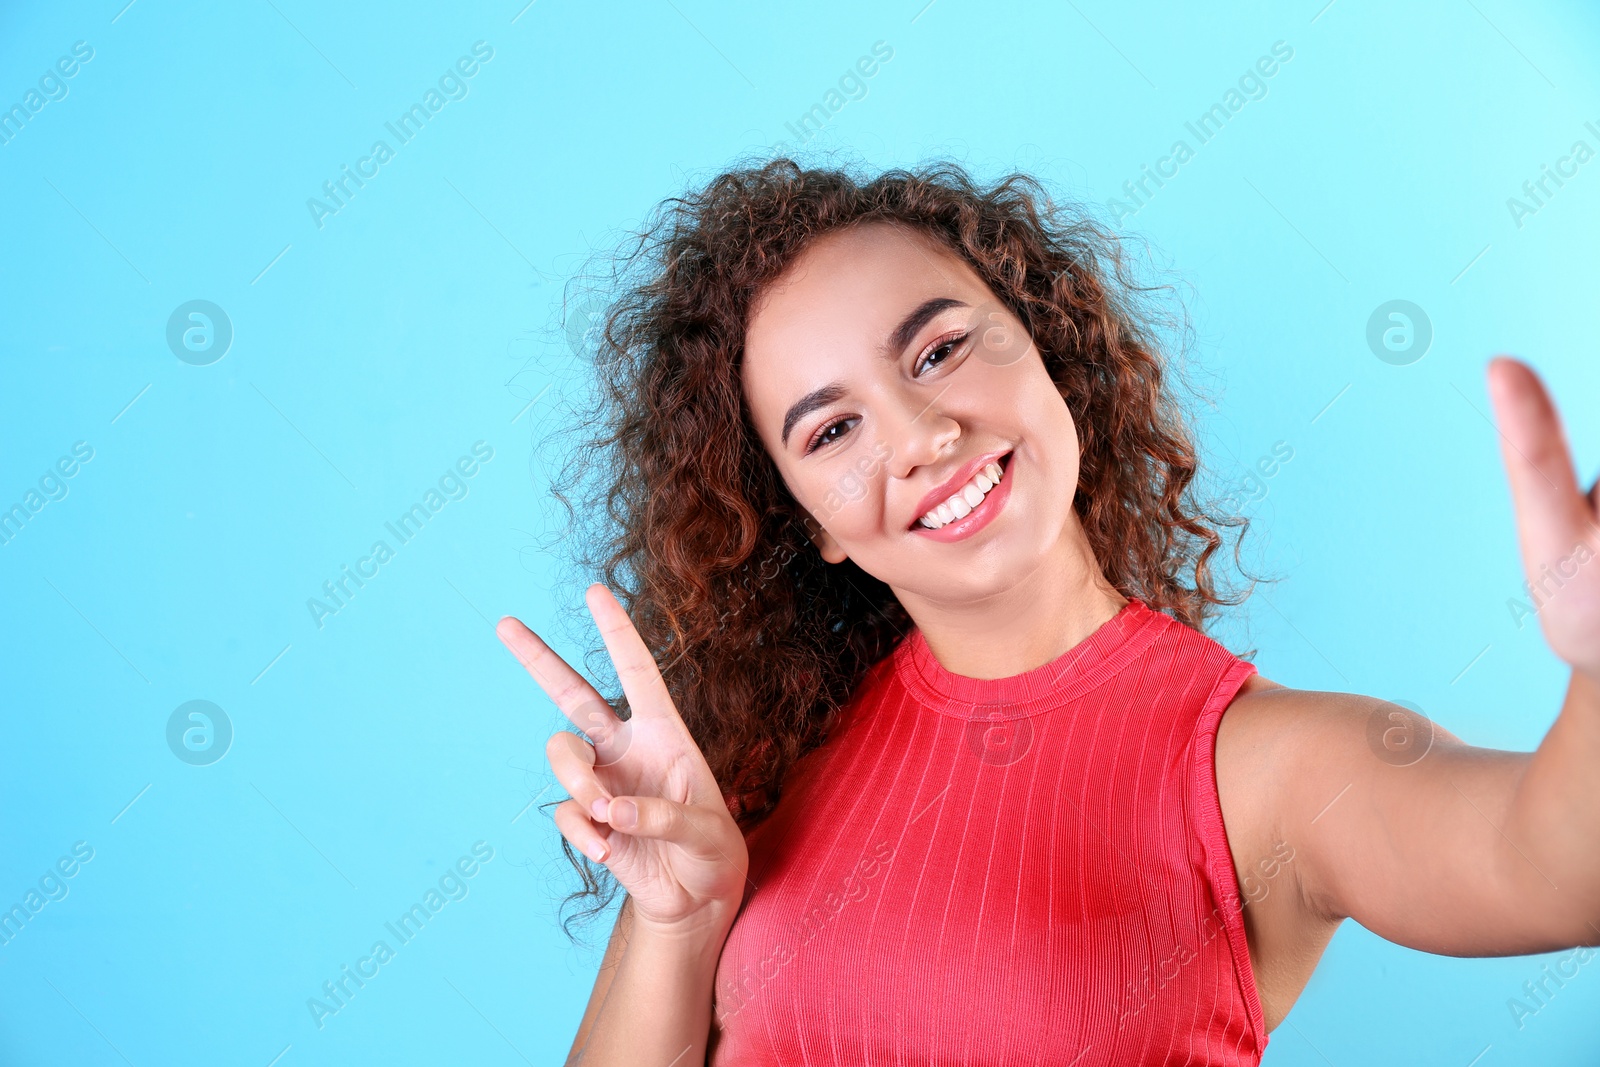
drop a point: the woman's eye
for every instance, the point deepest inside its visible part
(826, 435)
(937, 355)
(945, 347)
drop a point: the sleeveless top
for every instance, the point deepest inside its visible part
(1023, 870)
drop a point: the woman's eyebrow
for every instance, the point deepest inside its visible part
(810, 402)
(896, 342)
(903, 334)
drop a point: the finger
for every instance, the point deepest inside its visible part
(579, 829)
(1551, 512)
(636, 668)
(572, 761)
(576, 698)
(690, 828)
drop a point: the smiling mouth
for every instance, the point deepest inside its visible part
(968, 498)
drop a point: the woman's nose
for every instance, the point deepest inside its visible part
(918, 432)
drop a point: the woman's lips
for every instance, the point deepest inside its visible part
(961, 477)
(980, 516)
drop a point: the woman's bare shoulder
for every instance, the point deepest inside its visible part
(1256, 683)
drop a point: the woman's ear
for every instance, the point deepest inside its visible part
(826, 545)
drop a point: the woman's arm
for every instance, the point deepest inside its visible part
(1554, 815)
(1393, 821)
(652, 998)
(1396, 823)
(602, 980)
(1426, 841)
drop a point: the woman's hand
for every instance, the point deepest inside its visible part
(643, 800)
(1556, 520)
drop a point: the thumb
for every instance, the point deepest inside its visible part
(1551, 512)
(693, 829)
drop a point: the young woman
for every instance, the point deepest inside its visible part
(926, 757)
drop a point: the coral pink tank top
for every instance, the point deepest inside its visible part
(1023, 870)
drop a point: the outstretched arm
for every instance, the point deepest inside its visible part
(1556, 808)
(1425, 840)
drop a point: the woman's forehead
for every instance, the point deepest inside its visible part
(851, 281)
(862, 250)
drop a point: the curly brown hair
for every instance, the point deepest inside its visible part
(683, 514)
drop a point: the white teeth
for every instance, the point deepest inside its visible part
(969, 496)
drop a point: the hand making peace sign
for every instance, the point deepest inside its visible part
(643, 800)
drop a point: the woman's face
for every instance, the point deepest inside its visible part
(882, 375)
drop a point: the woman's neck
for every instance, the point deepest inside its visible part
(1053, 609)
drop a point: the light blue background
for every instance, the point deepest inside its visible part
(370, 353)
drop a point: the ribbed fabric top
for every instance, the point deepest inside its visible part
(1066, 678)
(1022, 870)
